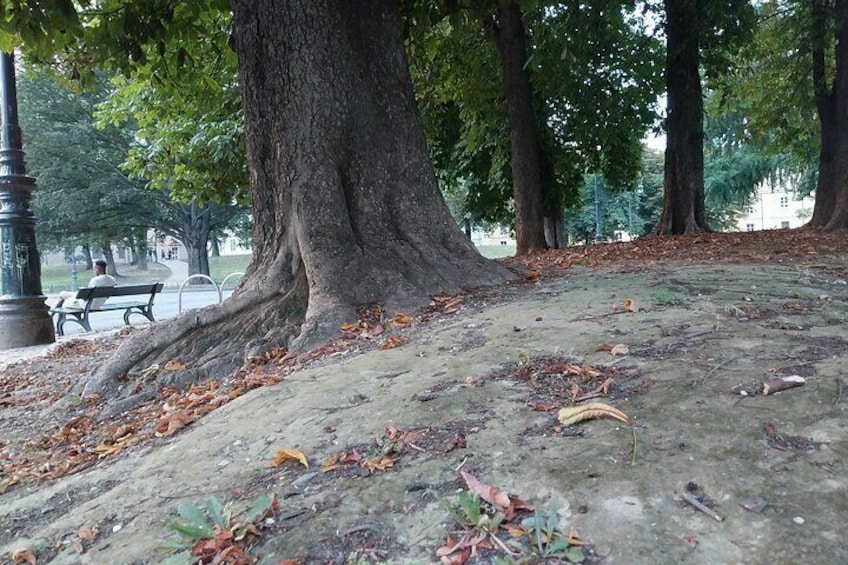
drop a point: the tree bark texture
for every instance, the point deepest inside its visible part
(683, 188)
(140, 249)
(346, 206)
(510, 38)
(827, 119)
(555, 235)
(106, 249)
(195, 237)
(86, 251)
(831, 207)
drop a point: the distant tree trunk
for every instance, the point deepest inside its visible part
(683, 189)
(86, 252)
(346, 205)
(140, 251)
(510, 38)
(216, 246)
(196, 239)
(555, 235)
(831, 207)
(106, 249)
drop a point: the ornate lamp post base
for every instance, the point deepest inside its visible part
(24, 322)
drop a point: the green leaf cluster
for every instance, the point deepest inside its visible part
(595, 74)
(197, 524)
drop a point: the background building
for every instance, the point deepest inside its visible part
(775, 206)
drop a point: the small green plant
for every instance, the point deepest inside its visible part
(546, 532)
(479, 522)
(663, 297)
(470, 512)
(545, 529)
(212, 531)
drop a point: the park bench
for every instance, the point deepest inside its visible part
(80, 315)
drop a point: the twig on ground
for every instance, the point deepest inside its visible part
(840, 391)
(616, 361)
(711, 372)
(461, 465)
(415, 447)
(702, 507)
(699, 334)
(364, 527)
(392, 375)
(502, 545)
(604, 315)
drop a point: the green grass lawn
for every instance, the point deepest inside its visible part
(55, 278)
(220, 267)
(496, 251)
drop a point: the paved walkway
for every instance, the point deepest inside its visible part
(179, 272)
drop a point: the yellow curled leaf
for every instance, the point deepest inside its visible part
(284, 455)
(574, 414)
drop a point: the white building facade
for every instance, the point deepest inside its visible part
(775, 206)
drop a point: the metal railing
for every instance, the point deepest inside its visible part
(218, 288)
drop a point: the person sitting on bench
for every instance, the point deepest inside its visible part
(100, 278)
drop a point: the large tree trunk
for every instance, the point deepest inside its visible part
(832, 211)
(683, 196)
(346, 205)
(510, 39)
(829, 131)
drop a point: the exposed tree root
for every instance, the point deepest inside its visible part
(211, 341)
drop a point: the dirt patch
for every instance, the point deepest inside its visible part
(475, 386)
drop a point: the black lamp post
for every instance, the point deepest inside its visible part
(24, 318)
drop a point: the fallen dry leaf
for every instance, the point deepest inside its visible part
(619, 349)
(392, 341)
(173, 423)
(373, 332)
(89, 534)
(604, 347)
(493, 495)
(602, 390)
(174, 365)
(378, 464)
(23, 556)
(401, 321)
(630, 305)
(452, 553)
(502, 501)
(284, 455)
(574, 414)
